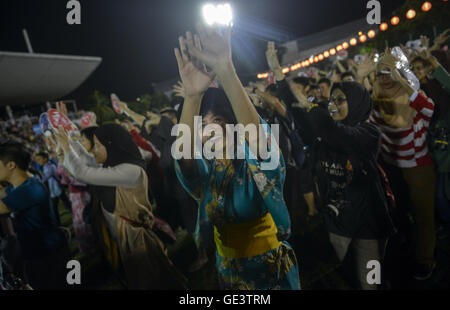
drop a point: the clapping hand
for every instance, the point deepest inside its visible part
(390, 61)
(299, 95)
(50, 143)
(440, 40)
(335, 77)
(123, 106)
(425, 41)
(61, 108)
(178, 89)
(272, 57)
(195, 78)
(367, 66)
(352, 64)
(62, 138)
(426, 54)
(215, 49)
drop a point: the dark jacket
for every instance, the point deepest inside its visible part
(344, 155)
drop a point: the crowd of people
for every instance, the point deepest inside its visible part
(363, 145)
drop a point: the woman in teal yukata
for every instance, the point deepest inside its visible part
(241, 206)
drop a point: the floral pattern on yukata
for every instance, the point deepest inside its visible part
(240, 192)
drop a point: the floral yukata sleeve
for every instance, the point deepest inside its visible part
(270, 183)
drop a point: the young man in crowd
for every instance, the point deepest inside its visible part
(43, 245)
(348, 77)
(325, 88)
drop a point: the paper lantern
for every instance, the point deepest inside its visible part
(395, 20)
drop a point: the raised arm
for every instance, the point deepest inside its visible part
(286, 91)
(138, 118)
(436, 70)
(273, 101)
(365, 68)
(440, 40)
(195, 81)
(124, 175)
(216, 54)
(81, 152)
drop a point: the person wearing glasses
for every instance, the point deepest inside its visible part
(403, 114)
(344, 153)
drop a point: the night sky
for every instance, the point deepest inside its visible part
(136, 38)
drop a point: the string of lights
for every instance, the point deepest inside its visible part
(362, 38)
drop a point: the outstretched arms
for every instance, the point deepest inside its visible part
(216, 54)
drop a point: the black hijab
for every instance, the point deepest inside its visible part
(120, 149)
(358, 100)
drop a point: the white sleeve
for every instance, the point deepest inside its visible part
(123, 175)
(146, 155)
(81, 152)
(414, 96)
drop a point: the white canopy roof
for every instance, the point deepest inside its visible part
(27, 78)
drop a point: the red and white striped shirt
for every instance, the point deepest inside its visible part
(407, 147)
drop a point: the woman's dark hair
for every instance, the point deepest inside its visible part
(89, 133)
(348, 73)
(313, 87)
(215, 101)
(302, 80)
(120, 149)
(119, 145)
(324, 80)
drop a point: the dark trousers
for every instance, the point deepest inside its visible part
(55, 202)
(421, 182)
(414, 190)
(442, 201)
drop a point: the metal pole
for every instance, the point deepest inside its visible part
(27, 41)
(10, 114)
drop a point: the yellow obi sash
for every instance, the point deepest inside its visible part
(247, 239)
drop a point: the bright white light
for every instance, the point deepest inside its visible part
(376, 57)
(218, 14)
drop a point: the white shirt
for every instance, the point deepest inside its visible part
(85, 169)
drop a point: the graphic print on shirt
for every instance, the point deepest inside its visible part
(340, 174)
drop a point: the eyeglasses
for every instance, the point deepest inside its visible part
(383, 73)
(338, 100)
